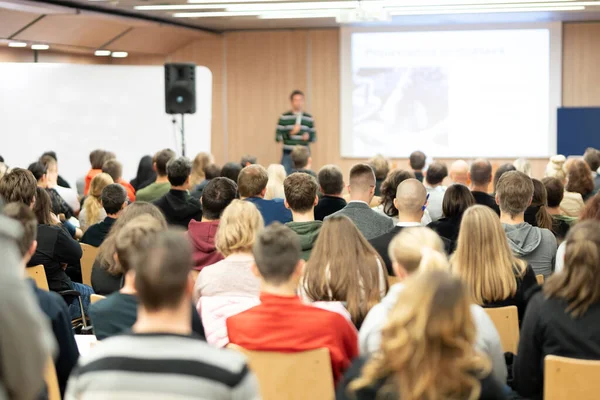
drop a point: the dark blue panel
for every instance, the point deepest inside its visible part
(577, 129)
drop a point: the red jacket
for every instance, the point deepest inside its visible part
(88, 179)
(130, 190)
(202, 236)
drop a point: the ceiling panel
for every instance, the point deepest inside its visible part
(154, 40)
(11, 21)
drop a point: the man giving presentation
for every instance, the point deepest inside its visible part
(295, 127)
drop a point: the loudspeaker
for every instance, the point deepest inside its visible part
(180, 88)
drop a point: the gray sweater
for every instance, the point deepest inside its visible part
(535, 245)
(369, 222)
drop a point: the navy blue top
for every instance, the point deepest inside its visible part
(272, 210)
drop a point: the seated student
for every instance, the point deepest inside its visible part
(282, 322)
(115, 169)
(57, 183)
(534, 245)
(301, 160)
(504, 168)
(118, 312)
(50, 303)
(381, 167)
(97, 159)
(231, 170)
(417, 162)
(60, 181)
(417, 250)
(579, 178)
(301, 199)
(480, 175)
(362, 189)
(161, 186)
(92, 211)
(572, 202)
(178, 206)
(211, 171)
(107, 275)
(493, 275)
(229, 286)
(537, 213)
(561, 223)
(217, 195)
(563, 319)
(355, 278)
(161, 357)
(523, 165)
(114, 201)
(457, 199)
(592, 158)
(434, 183)
(145, 174)
(427, 349)
(58, 204)
(459, 172)
(252, 186)
(277, 175)
(331, 185)
(201, 161)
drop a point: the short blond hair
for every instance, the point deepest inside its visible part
(411, 245)
(238, 228)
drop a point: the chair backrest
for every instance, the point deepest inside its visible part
(569, 378)
(38, 274)
(291, 376)
(87, 262)
(506, 320)
(540, 279)
(96, 297)
(51, 381)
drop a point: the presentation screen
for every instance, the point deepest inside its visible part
(451, 93)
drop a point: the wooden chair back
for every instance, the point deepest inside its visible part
(51, 381)
(569, 378)
(38, 274)
(506, 320)
(292, 376)
(540, 279)
(87, 262)
(96, 297)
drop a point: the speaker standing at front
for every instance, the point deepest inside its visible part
(180, 88)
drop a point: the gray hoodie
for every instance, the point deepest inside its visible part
(535, 245)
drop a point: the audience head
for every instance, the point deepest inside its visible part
(591, 209)
(480, 173)
(514, 193)
(131, 239)
(145, 171)
(300, 192)
(199, 165)
(93, 203)
(301, 157)
(456, 201)
(579, 283)
(555, 191)
(212, 171)
(39, 171)
(389, 188)
(114, 199)
(540, 201)
(97, 158)
(22, 214)
(240, 223)
(459, 172)
(160, 161)
(556, 168)
(579, 178)
(381, 166)
(277, 174)
(51, 166)
(178, 172)
(231, 170)
(417, 160)
(99, 182)
(523, 165)
(216, 196)
(252, 181)
(592, 158)
(43, 208)
(417, 249)
(51, 154)
(362, 183)
(331, 180)
(18, 185)
(114, 168)
(297, 100)
(247, 159)
(411, 200)
(277, 256)
(3, 169)
(504, 168)
(436, 173)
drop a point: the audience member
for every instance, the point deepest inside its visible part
(51, 304)
(523, 165)
(118, 312)
(592, 158)
(3, 169)
(301, 160)
(114, 201)
(484, 261)
(44, 159)
(580, 179)
(161, 351)
(504, 168)
(381, 167)
(362, 189)
(55, 182)
(355, 278)
(572, 202)
(247, 159)
(211, 171)
(564, 318)
(427, 349)
(457, 199)
(417, 250)
(97, 160)
(459, 172)
(115, 169)
(417, 162)
(560, 223)
(217, 195)
(252, 186)
(178, 206)
(331, 185)
(198, 175)
(480, 175)
(231, 170)
(107, 275)
(301, 199)
(534, 245)
(434, 183)
(229, 286)
(537, 213)
(92, 211)
(277, 174)
(145, 174)
(57, 203)
(282, 322)
(161, 186)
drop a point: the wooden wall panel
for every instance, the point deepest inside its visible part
(11, 21)
(581, 58)
(8, 54)
(153, 40)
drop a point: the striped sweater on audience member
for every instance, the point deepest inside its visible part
(159, 366)
(286, 125)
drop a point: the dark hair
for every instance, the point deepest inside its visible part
(43, 207)
(162, 274)
(456, 201)
(18, 185)
(23, 214)
(113, 197)
(540, 200)
(389, 188)
(231, 170)
(212, 171)
(97, 158)
(145, 174)
(300, 191)
(436, 173)
(591, 209)
(49, 154)
(252, 180)
(592, 158)
(216, 196)
(296, 93)
(247, 159)
(417, 160)
(276, 253)
(300, 156)
(331, 179)
(179, 170)
(38, 170)
(555, 191)
(579, 178)
(161, 159)
(481, 172)
(114, 168)
(504, 168)
(362, 177)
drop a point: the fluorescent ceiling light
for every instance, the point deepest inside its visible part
(217, 14)
(172, 7)
(424, 3)
(119, 54)
(17, 44)
(231, 1)
(545, 4)
(40, 47)
(313, 5)
(483, 10)
(102, 53)
(300, 15)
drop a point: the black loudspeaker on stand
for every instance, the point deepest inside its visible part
(180, 92)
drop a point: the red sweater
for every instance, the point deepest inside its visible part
(287, 325)
(88, 179)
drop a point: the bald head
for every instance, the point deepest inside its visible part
(411, 196)
(459, 172)
(481, 173)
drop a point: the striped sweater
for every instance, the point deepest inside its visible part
(286, 123)
(161, 366)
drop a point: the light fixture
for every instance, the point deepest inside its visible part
(102, 53)
(173, 7)
(119, 54)
(479, 10)
(17, 44)
(313, 5)
(39, 47)
(217, 14)
(301, 15)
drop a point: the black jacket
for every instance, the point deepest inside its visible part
(96, 233)
(486, 200)
(179, 207)
(328, 205)
(526, 286)
(448, 229)
(104, 283)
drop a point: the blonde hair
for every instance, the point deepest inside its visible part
(523, 165)
(277, 175)
(556, 168)
(418, 249)
(427, 347)
(92, 204)
(483, 259)
(238, 228)
(200, 162)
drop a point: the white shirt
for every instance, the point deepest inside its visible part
(408, 224)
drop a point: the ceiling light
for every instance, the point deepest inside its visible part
(426, 3)
(17, 44)
(217, 14)
(231, 1)
(313, 5)
(119, 54)
(302, 15)
(39, 47)
(544, 4)
(479, 10)
(102, 53)
(172, 7)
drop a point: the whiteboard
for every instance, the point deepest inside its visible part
(74, 109)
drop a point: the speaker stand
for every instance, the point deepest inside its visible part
(182, 136)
